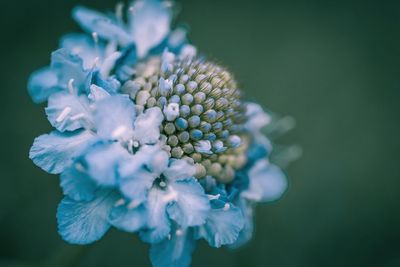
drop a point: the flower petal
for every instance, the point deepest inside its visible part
(83, 46)
(102, 160)
(69, 67)
(150, 24)
(67, 112)
(42, 84)
(248, 228)
(77, 185)
(267, 182)
(223, 226)
(191, 204)
(106, 27)
(174, 252)
(114, 117)
(179, 169)
(157, 222)
(126, 219)
(55, 151)
(85, 222)
(147, 126)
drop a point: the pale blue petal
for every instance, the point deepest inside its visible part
(55, 151)
(106, 27)
(97, 93)
(223, 226)
(85, 222)
(101, 161)
(67, 112)
(256, 117)
(267, 182)
(42, 84)
(114, 117)
(150, 24)
(174, 252)
(247, 232)
(147, 126)
(77, 185)
(191, 205)
(69, 66)
(129, 220)
(84, 46)
(179, 169)
(110, 84)
(158, 222)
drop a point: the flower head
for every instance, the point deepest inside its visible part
(149, 137)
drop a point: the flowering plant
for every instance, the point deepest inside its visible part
(149, 137)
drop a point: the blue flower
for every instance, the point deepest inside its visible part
(149, 138)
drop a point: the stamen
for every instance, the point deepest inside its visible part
(213, 197)
(71, 86)
(226, 207)
(133, 204)
(95, 37)
(63, 114)
(179, 232)
(78, 117)
(120, 202)
(119, 131)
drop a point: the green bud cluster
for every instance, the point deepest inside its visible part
(208, 111)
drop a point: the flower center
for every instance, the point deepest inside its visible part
(203, 110)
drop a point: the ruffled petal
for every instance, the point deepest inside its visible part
(77, 185)
(101, 162)
(106, 27)
(97, 93)
(267, 182)
(69, 67)
(191, 205)
(150, 24)
(158, 223)
(257, 118)
(223, 226)
(42, 84)
(248, 228)
(179, 170)
(128, 219)
(85, 222)
(55, 151)
(174, 252)
(67, 112)
(114, 117)
(147, 126)
(83, 46)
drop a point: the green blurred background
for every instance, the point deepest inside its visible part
(333, 65)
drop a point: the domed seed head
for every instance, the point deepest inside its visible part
(196, 134)
(205, 127)
(141, 97)
(184, 79)
(179, 89)
(184, 111)
(184, 137)
(169, 128)
(173, 140)
(197, 109)
(199, 97)
(162, 102)
(181, 124)
(215, 169)
(188, 148)
(209, 111)
(223, 134)
(177, 152)
(196, 157)
(210, 115)
(201, 171)
(206, 87)
(191, 86)
(194, 121)
(210, 136)
(187, 99)
(151, 102)
(227, 175)
(209, 103)
(175, 99)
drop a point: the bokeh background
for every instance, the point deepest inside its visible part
(333, 65)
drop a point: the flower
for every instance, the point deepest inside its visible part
(150, 138)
